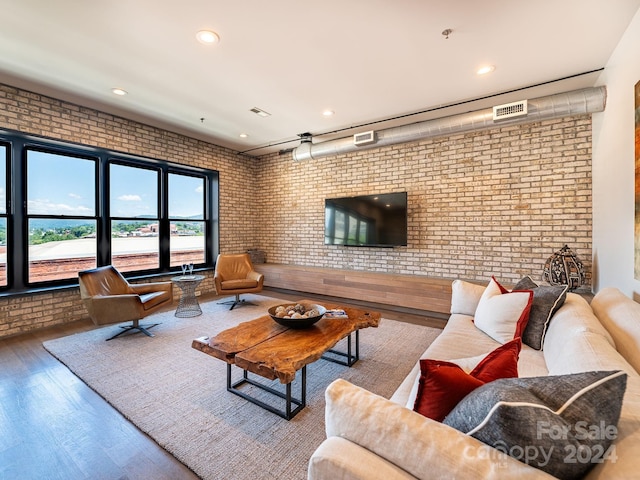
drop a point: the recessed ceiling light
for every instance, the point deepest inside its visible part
(119, 91)
(208, 37)
(486, 69)
(328, 113)
(243, 135)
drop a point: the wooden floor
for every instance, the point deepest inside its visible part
(52, 426)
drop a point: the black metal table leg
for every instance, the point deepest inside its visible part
(350, 358)
(288, 412)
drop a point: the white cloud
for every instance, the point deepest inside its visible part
(130, 198)
(200, 189)
(75, 195)
(46, 207)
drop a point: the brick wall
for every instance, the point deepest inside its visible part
(31, 113)
(495, 202)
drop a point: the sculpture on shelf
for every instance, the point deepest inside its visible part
(564, 268)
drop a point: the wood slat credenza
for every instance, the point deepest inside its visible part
(408, 291)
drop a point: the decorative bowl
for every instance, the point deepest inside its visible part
(303, 322)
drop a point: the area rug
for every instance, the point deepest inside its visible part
(177, 395)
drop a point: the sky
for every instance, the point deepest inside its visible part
(62, 185)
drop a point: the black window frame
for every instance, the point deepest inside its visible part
(107, 207)
(25, 216)
(7, 209)
(171, 219)
(18, 143)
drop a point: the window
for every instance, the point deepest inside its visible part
(135, 224)
(186, 217)
(61, 215)
(4, 157)
(77, 207)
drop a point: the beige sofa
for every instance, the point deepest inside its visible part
(370, 437)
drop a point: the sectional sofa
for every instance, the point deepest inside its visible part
(572, 412)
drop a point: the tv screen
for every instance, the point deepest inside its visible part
(367, 220)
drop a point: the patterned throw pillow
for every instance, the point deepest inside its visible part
(562, 425)
(443, 384)
(501, 314)
(546, 302)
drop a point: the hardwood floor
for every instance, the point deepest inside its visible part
(53, 426)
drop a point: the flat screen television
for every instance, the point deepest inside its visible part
(378, 220)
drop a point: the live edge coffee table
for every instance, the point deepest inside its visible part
(272, 351)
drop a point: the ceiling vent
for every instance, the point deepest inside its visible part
(364, 138)
(510, 110)
(260, 112)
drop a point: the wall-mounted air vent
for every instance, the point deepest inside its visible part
(509, 110)
(364, 138)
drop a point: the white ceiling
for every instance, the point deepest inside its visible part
(367, 60)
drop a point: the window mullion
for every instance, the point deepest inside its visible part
(18, 224)
(165, 224)
(103, 236)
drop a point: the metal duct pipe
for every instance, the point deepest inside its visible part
(577, 102)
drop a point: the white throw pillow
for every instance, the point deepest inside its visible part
(465, 297)
(502, 314)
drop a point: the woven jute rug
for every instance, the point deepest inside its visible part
(177, 395)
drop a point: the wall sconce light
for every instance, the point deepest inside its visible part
(564, 268)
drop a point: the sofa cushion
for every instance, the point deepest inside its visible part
(465, 297)
(422, 447)
(502, 314)
(576, 341)
(562, 425)
(620, 315)
(443, 384)
(238, 283)
(547, 299)
(586, 351)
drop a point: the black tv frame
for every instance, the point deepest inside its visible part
(381, 217)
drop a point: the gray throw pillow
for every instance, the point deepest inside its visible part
(562, 425)
(546, 302)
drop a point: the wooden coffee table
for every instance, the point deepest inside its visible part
(272, 351)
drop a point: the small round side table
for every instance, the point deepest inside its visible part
(188, 305)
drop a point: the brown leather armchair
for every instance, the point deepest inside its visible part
(234, 274)
(109, 298)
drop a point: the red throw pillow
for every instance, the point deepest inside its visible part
(443, 384)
